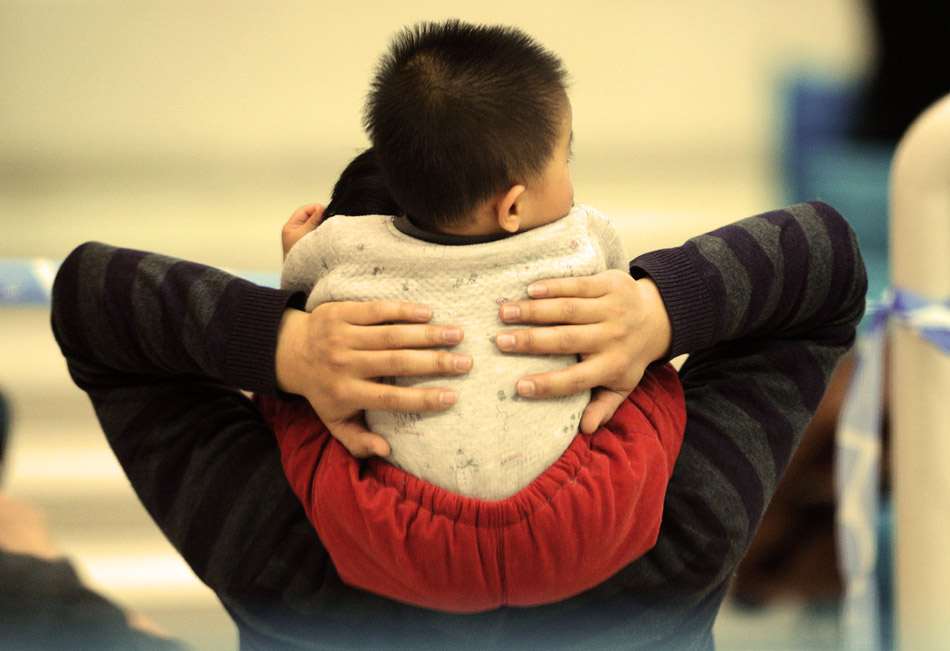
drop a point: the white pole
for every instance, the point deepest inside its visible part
(920, 385)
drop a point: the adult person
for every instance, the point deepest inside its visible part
(44, 603)
(764, 307)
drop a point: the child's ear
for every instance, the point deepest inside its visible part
(508, 209)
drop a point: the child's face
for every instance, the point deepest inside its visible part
(553, 192)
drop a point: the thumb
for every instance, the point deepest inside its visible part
(357, 439)
(604, 402)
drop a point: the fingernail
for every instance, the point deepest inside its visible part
(448, 398)
(423, 313)
(463, 363)
(536, 291)
(526, 387)
(452, 335)
(509, 312)
(505, 341)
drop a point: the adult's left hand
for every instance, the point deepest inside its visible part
(335, 355)
(617, 325)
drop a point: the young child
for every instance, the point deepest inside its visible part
(496, 500)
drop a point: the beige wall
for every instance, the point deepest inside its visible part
(195, 128)
(255, 105)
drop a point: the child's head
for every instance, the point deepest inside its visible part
(468, 120)
(361, 190)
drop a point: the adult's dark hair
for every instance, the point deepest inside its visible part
(459, 112)
(361, 190)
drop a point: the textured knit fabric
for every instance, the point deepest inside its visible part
(491, 443)
(565, 519)
(765, 307)
(592, 512)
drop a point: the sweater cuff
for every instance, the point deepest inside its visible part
(685, 296)
(256, 313)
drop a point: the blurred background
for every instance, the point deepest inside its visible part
(195, 129)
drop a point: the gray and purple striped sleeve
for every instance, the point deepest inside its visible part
(764, 307)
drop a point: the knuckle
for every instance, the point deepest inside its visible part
(376, 311)
(432, 400)
(616, 370)
(445, 362)
(390, 338)
(336, 357)
(524, 340)
(615, 335)
(569, 310)
(336, 391)
(322, 314)
(390, 401)
(579, 382)
(434, 336)
(398, 362)
(405, 312)
(615, 309)
(335, 361)
(333, 342)
(566, 341)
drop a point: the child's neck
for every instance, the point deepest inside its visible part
(473, 228)
(482, 222)
(405, 225)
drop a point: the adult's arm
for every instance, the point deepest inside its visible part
(763, 341)
(765, 308)
(163, 347)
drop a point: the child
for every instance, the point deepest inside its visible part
(471, 129)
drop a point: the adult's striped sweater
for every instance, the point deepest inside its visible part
(764, 308)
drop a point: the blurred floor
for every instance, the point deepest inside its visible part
(58, 460)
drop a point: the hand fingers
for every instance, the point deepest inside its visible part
(316, 217)
(601, 408)
(395, 337)
(381, 363)
(305, 213)
(376, 312)
(553, 310)
(579, 287)
(384, 397)
(552, 340)
(578, 377)
(357, 439)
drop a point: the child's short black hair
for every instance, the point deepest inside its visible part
(459, 112)
(361, 190)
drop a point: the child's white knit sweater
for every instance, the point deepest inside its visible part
(492, 442)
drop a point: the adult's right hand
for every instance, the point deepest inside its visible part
(335, 355)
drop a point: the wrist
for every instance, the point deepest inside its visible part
(252, 314)
(286, 353)
(686, 297)
(661, 338)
